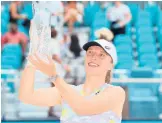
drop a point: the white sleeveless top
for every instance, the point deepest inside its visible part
(69, 116)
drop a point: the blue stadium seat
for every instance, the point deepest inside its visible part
(4, 26)
(161, 44)
(125, 57)
(128, 29)
(160, 34)
(89, 13)
(5, 16)
(11, 86)
(144, 107)
(143, 15)
(5, 12)
(134, 8)
(159, 20)
(125, 65)
(28, 11)
(154, 64)
(147, 48)
(148, 56)
(151, 89)
(144, 30)
(145, 43)
(11, 56)
(10, 49)
(13, 61)
(143, 20)
(102, 22)
(145, 39)
(160, 98)
(139, 92)
(99, 23)
(143, 23)
(124, 48)
(4, 66)
(153, 10)
(144, 72)
(123, 39)
(5, 7)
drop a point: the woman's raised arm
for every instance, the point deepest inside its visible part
(40, 97)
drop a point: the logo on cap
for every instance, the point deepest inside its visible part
(107, 47)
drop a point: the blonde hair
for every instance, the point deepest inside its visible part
(108, 76)
(104, 33)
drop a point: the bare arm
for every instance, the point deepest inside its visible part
(40, 97)
(57, 59)
(128, 18)
(14, 13)
(4, 40)
(111, 99)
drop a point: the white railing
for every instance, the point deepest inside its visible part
(123, 78)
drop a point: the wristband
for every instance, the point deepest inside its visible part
(53, 78)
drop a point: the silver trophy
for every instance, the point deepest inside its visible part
(40, 30)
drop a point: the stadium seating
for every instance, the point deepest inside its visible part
(159, 19)
(5, 12)
(11, 56)
(141, 73)
(144, 30)
(99, 23)
(144, 107)
(144, 48)
(89, 13)
(125, 65)
(153, 10)
(139, 57)
(123, 39)
(160, 98)
(145, 39)
(27, 10)
(134, 8)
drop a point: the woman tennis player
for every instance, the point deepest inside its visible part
(94, 101)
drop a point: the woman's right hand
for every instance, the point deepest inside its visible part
(24, 17)
(47, 68)
(67, 68)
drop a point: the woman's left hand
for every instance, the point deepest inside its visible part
(47, 68)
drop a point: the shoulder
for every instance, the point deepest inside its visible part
(125, 7)
(6, 34)
(116, 91)
(21, 34)
(12, 5)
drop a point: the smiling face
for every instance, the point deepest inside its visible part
(97, 61)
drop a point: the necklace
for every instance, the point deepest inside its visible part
(97, 91)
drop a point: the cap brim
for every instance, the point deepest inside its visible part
(92, 43)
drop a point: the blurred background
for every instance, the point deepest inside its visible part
(137, 29)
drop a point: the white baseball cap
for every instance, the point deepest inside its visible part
(106, 45)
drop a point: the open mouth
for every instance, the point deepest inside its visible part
(91, 64)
